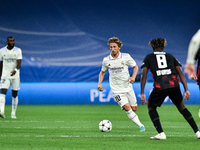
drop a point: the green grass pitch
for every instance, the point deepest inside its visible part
(63, 127)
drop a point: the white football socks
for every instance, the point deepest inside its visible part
(133, 116)
(14, 104)
(2, 103)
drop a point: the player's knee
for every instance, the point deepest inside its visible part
(127, 107)
(3, 91)
(14, 94)
(180, 106)
(134, 108)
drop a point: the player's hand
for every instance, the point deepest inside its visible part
(190, 70)
(187, 95)
(193, 77)
(100, 88)
(13, 73)
(131, 80)
(143, 99)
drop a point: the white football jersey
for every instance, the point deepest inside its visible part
(9, 58)
(193, 47)
(118, 70)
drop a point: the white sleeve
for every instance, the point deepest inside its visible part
(131, 61)
(193, 48)
(104, 68)
(20, 54)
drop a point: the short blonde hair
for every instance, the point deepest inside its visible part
(115, 40)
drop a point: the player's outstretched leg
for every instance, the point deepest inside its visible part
(188, 116)
(134, 118)
(14, 107)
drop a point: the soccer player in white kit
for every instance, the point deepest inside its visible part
(120, 81)
(192, 51)
(11, 57)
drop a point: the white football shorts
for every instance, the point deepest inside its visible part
(124, 98)
(15, 83)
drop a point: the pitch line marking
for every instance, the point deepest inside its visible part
(87, 136)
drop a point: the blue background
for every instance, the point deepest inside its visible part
(64, 41)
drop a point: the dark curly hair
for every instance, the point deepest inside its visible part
(158, 42)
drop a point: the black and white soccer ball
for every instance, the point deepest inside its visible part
(105, 126)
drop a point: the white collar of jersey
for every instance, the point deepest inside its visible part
(159, 52)
(9, 50)
(120, 56)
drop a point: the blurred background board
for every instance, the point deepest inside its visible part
(65, 40)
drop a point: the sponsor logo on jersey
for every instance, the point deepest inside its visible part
(9, 60)
(163, 72)
(117, 68)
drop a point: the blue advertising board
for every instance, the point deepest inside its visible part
(83, 93)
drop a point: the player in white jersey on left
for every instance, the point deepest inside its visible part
(11, 57)
(120, 81)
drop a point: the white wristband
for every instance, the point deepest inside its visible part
(16, 69)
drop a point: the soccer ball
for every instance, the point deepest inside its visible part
(105, 126)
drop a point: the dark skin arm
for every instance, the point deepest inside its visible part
(18, 66)
(183, 80)
(143, 82)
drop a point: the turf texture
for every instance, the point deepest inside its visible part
(75, 127)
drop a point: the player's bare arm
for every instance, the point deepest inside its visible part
(135, 72)
(101, 77)
(143, 82)
(17, 67)
(183, 80)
